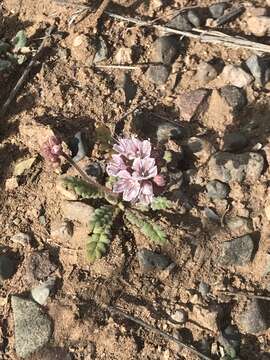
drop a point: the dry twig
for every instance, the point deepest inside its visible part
(209, 36)
(26, 72)
(242, 293)
(149, 327)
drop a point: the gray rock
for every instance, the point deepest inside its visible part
(259, 69)
(158, 74)
(7, 267)
(166, 131)
(165, 49)
(41, 293)
(211, 215)
(227, 167)
(234, 96)
(235, 75)
(192, 103)
(217, 10)
(234, 142)
(204, 289)
(205, 73)
(255, 317)
(40, 265)
(33, 328)
(217, 190)
(237, 251)
(194, 18)
(238, 222)
(78, 211)
(21, 238)
(150, 260)
(102, 50)
(180, 22)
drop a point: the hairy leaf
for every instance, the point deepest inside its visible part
(5, 65)
(147, 228)
(161, 203)
(4, 47)
(100, 232)
(20, 40)
(82, 188)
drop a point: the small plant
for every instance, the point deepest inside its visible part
(134, 187)
(14, 52)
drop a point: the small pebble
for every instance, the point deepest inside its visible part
(21, 238)
(217, 10)
(234, 96)
(180, 22)
(237, 251)
(41, 293)
(205, 73)
(253, 319)
(165, 49)
(179, 316)
(78, 147)
(236, 76)
(123, 56)
(102, 50)
(259, 25)
(158, 74)
(7, 267)
(234, 142)
(194, 18)
(204, 289)
(150, 260)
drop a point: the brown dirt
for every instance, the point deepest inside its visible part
(65, 95)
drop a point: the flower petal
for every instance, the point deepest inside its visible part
(132, 191)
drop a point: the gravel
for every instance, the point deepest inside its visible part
(217, 190)
(150, 260)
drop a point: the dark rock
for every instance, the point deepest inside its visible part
(125, 82)
(211, 215)
(217, 190)
(192, 103)
(95, 170)
(33, 328)
(7, 267)
(205, 73)
(204, 289)
(78, 147)
(165, 49)
(227, 167)
(194, 18)
(180, 22)
(217, 10)
(234, 96)
(102, 50)
(150, 260)
(40, 265)
(255, 317)
(237, 251)
(158, 74)
(234, 142)
(52, 353)
(258, 68)
(201, 148)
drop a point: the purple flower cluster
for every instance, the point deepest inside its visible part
(52, 150)
(135, 169)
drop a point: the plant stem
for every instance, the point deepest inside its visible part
(87, 178)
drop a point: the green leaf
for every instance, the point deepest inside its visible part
(100, 229)
(20, 40)
(161, 203)
(167, 156)
(82, 188)
(4, 47)
(5, 65)
(151, 231)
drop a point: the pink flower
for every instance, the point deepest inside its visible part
(136, 172)
(52, 149)
(116, 165)
(159, 180)
(129, 186)
(144, 168)
(133, 148)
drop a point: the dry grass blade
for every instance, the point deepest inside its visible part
(149, 327)
(209, 36)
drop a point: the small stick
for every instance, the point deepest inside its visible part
(86, 177)
(157, 331)
(241, 293)
(99, 12)
(122, 67)
(202, 35)
(26, 72)
(230, 16)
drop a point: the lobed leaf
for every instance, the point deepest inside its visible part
(148, 229)
(161, 203)
(82, 188)
(100, 229)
